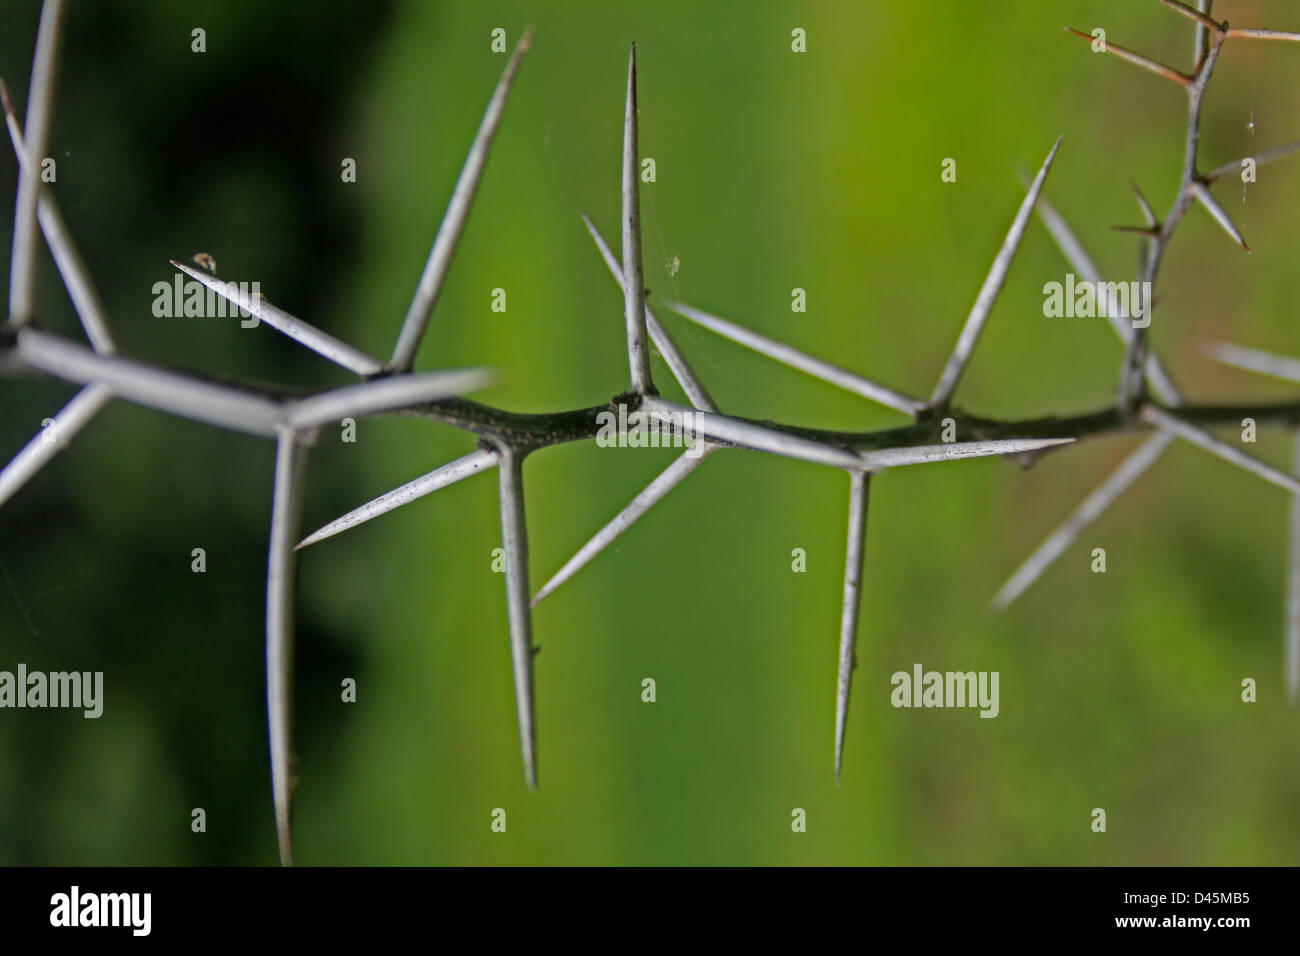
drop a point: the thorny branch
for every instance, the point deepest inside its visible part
(938, 431)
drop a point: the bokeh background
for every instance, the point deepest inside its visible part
(775, 170)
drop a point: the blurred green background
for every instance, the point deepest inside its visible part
(775, 170)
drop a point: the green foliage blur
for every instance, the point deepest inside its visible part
(775, 170)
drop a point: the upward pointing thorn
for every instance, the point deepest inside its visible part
(988, 293)
(1147, 211)
(453, 220)
(677, 364)
(40, 102)
(638, 351)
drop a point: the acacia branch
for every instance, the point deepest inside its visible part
(155, 386)
(1132, 382)
(506, 437)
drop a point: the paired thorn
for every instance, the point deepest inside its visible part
(72, 268)
(1206, 199)
(1248, 33)
(87, 403)
(285, 510)
(228, 406)
(453, 220)
(1269, 155)
(1148, 213)
(38, 452)
(1064, 238)
(145, 384)
(1087, 270)
(677, 363)
(855, 548)
(988, 293)
(638, 350)
(1137, 59)
(40, 106)
(747, 434)
(1230, 453)
(322, 343)
(801, 360)
(652, 494)
(752, 435)
(514, 543)
(1088, 511)
(1254, 360)
(448, 474)
(955, 451)
(383, 395)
